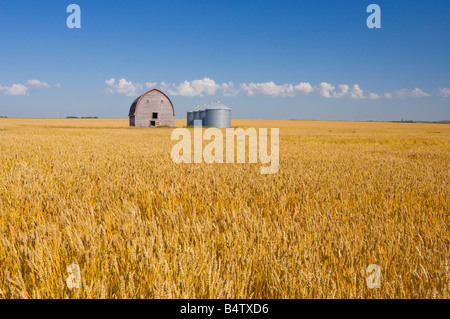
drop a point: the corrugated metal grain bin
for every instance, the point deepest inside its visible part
(202, 114)
(190, 117)
(218, 115)
(199, 114)
(196, 113)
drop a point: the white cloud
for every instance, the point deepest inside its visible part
(267, 88)
(357, 93)
(208, 86)
(228, 89)
(163, 85)
(325, 89)
(418, 93)
(404, 93)
(374, 96)
(445, 92)
(110, 82)
(15, 89)
(272, 89)
(344, 91)
(57, 85)
(37, 84)
(24, 89)
(304, 88)
(328, 91)
(123, 87)
(205, 86)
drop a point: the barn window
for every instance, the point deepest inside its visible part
(162, 101)
(154, 115)
(148, 101)
(152, 123)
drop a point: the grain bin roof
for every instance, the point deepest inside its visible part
(198, 109)
(195, 109)
(137, 100)
(209, 107)
(217, 107)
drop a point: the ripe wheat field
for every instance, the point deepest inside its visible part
(108, 198)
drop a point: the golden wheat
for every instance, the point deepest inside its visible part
(108, 198)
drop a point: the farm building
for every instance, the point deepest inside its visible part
(212, 115)
(151, 109)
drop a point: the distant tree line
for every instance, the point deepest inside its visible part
(83, 117)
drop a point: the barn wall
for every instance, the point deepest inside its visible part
(154, 101)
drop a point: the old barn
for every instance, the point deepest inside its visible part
(151, 109)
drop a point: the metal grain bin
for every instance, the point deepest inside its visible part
(218, 115)
(196, 114)
(202, 115)
(199, 114)
(190, 117)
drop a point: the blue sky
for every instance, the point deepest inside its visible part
(264, 59)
